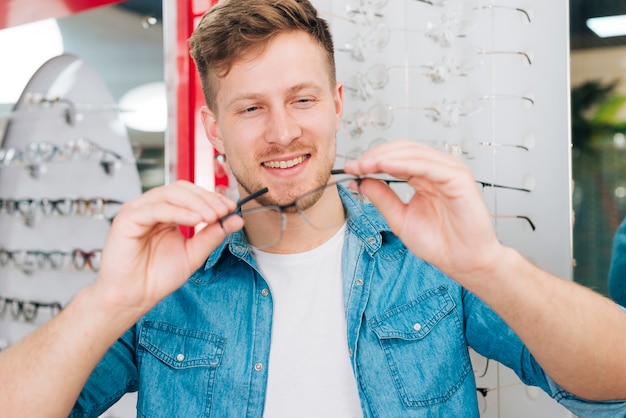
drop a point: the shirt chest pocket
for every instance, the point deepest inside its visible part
(425, 348)
(175, 361)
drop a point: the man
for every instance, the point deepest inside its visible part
(341, 320)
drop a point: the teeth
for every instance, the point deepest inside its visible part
(284, 164)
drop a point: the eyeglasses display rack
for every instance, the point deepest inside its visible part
(66, 165)
(488, 82)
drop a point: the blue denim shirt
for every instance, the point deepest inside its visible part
(617, 269)
(203, 351)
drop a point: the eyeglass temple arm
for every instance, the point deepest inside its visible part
(485, 184)
(339, 171)
(336, 171)
(242, 202)
(522, 217)
(527, 219)
(250, 197)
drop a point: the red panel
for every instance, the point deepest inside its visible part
(185, 124)
(18, 12)
(189, 92)
(188, 89)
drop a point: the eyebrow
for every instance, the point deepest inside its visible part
(302, 86)
(291, 90)
(241, 98)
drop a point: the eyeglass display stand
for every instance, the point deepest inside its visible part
(486, 82)
(65, 100)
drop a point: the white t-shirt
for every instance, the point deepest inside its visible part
(309, 371)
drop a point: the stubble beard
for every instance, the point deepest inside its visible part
(268, 199)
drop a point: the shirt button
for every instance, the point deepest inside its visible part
(371, 240)
(417, 327)
(265, 292)
(180, 357)
(359, 282)
(350, 352)
(258, 367)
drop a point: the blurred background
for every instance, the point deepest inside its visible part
(598, 115)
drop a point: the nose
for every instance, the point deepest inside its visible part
(283, 127)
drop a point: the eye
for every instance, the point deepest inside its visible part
(304, 102)
(251, 109)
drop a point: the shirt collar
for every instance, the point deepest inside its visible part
(364, 221)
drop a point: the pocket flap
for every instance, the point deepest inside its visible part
(414, 320)
(181, 348)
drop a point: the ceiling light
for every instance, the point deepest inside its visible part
(144, 108)
(24, 49)
(608, 26)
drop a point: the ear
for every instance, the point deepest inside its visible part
(211, 128)
(338, 105)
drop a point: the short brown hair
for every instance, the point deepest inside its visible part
(233, 28)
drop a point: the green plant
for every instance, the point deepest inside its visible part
(583, 98)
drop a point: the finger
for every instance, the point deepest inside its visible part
(401, 159)
(385, 199)
(193, 196)
(187, 194)
(414, 164)
(181, 202)
(411, 158)
(135, 219)
(217, 200)
(205, 241)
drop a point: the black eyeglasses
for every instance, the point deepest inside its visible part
(267, 223)
(28, 310)
(242, 202)
(97, 208)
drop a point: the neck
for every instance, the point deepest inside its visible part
(301, 238)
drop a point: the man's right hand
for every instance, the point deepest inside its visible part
(146, 257)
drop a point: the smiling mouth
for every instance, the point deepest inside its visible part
(286, 163)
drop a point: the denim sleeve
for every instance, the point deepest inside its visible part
(489, 335)
(584, 408)
(115, 375)
(617, 270)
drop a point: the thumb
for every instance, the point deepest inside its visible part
(385, 200)
(205, 241)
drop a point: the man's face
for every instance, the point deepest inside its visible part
(277, 117)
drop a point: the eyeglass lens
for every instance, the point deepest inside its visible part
(267, 223)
